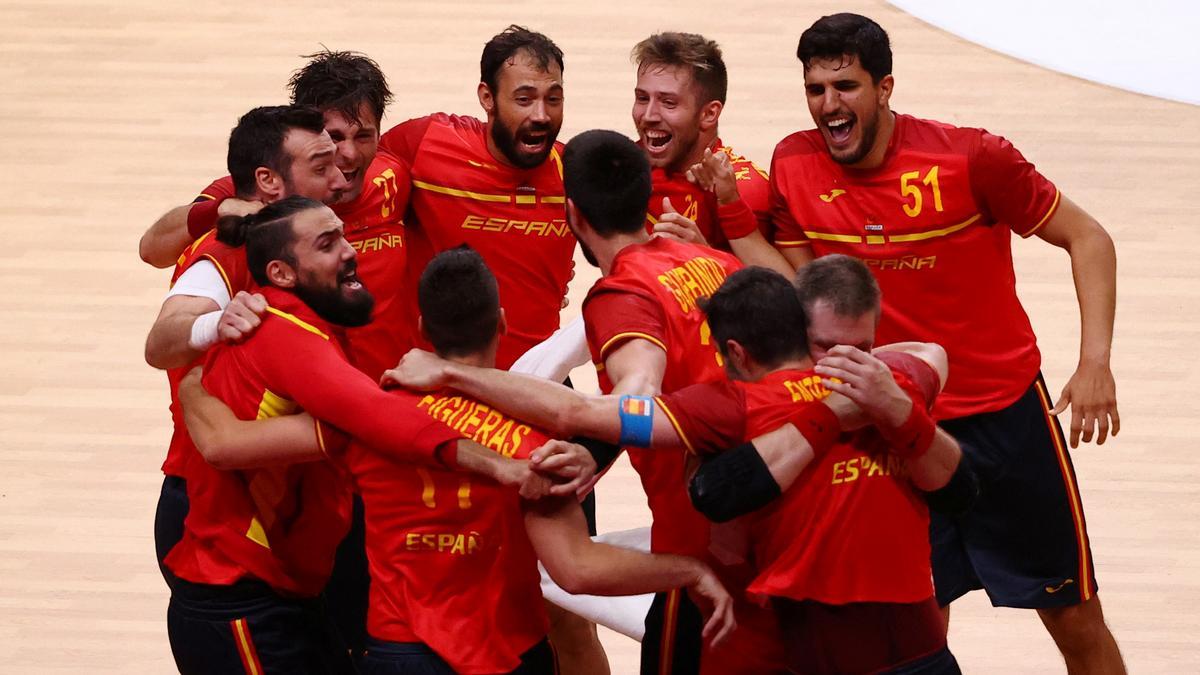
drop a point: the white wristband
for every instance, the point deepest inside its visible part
(204, 330)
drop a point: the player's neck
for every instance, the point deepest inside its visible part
(804, 363)
(484, 359)
(606, 251)
(883, 138)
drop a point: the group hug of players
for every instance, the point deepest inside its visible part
(823, 377)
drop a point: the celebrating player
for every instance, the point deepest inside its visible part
(930, 208)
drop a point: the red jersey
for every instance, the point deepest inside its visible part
(515, 219)
(701, 205)
(651, 294)
(282, 524)
(231, 264)
(451, 565)
(850, 529)
(933, 223)
(373, 226)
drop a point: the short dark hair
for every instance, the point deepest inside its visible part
(607, 177)
(502, 47)
(341, 81)
(701, 56)
(840, 280)
(459, 302)
(759, 308)
(842, 36)
(257, 140)
(267, 235)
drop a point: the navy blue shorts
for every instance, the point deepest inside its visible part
(248, 628)
(1025, 540)
(169, 515)
(350, 583)
(414, 658)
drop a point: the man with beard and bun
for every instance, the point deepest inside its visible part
(931, 208)
(273, 151)
(259, 540)
(455, 584)
(352, 93)
(681, 87)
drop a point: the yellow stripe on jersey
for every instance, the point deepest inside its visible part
(274, 405)
(841, 238)
(298, 321)
(467, 194)
(257, 534)
(554, 199)
(1045, 218)
(933, 234)
(687, 442)
(621, 337)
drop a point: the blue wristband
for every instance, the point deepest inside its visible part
(637, 420)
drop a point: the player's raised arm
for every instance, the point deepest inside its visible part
(558, 533)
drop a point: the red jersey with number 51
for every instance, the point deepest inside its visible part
(934, 224)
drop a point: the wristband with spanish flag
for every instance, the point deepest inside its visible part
(913, 438)
(737, 219)
(202, 217)
(818, 424)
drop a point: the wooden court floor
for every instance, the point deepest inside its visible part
(112, 112)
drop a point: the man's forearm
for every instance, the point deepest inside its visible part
(169, 343)
(1094, 269)
(549, 405)
(166, 239)
(933, 469)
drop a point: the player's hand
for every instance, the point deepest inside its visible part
(715, 173)
(1092, 395)
(517, 473)
(867, 381)
(242, 316)
(418, 370)
(570, 465)
(715, 604)
(233, 207)
(675, 225)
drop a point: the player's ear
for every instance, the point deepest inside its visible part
(574, 218)
(710, 114)
(281, 274)
(502, 324)
(486, 100)
(269, 184)
(885, 90)
(735, 355)
(421, 329)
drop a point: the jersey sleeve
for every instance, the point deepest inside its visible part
(708, 417)
(403, 140)
(1010, 187)
(917, 378)
(310, 369)
(786, 233)
(221, 188)
(613, 317)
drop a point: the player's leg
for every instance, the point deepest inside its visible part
(1083, 637)
(576, 642)
(1026, 537)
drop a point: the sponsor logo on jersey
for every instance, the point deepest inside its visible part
(833, 194)
(534, 228)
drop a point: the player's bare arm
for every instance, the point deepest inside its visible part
(188, 325)
(164, 241)
(558, 409)
(714, 172)
(227, 442)
(1091, 392)
(558, 532)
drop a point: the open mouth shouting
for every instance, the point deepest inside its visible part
(657, 143)
(348, 277)
(838, 129)
(534, 141)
